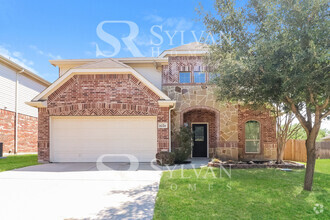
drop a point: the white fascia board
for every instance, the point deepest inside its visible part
(166, 103)
(42, 104)
(186, 53)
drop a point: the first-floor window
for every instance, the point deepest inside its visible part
(252, 137)
(184, 77)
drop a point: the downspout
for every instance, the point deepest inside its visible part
(16, 111)
(169, 128)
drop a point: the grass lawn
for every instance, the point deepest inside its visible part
(18, 161)
(248, 194)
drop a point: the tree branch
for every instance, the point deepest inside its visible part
(301, 119)
(325, 104)
(324, 115)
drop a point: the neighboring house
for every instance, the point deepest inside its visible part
(124, 106)
(326, 138)
(18, 121)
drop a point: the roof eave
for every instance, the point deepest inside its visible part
(27, 72)
(168, 53)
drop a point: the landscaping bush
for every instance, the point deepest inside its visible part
(165, 158)
(183, 139)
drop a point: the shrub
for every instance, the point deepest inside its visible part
(183, 139)
(165, 158)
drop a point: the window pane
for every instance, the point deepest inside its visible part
(199, 133)
(252, 146)
(199, 77)
(252, 130)
(184, 77)
(252, 137)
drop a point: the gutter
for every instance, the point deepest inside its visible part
(16, 111)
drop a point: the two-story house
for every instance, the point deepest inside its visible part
(117, 107)
(18, 121)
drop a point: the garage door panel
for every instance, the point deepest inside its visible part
(84, 139)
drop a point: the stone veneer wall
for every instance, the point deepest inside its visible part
(195, 102)
(101, 95)
(27, 135)
(194, 96)
(190, 97)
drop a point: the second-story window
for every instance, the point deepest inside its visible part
(199, 77)
(185, 77)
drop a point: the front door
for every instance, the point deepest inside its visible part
(200, 140)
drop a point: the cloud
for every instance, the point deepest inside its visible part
(43, 53)
(178, 24)
(143, 40)
(18, 58)
(153, 18)
(174, 23)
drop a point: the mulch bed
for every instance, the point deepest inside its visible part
(251, 165)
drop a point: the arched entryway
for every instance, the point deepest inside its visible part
(205, 123)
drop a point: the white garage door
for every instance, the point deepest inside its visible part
(84, 139)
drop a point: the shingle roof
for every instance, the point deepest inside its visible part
(194, 46)
(102, 64)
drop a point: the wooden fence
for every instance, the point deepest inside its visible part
(296, 150)
(323, 150)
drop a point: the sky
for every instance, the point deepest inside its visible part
(34, 32)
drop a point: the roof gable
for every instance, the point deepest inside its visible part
(108, 66)
(194, 48)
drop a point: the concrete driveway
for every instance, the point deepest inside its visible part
(78, 191)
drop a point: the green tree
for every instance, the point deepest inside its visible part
(301, 134)
(182, 150)
(274, 51)
(285, 129)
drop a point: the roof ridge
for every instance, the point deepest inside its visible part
(120, 63)
(106, 61)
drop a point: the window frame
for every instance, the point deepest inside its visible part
(190, 81)
(205, 80)
(247, 140)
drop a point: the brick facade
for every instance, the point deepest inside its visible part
(26, 132)
(267, 133)
(124, 95)
(101, 95)
(170, 72)
(209, 117)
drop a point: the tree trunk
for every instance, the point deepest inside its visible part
(311, 159)
(280, 152)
